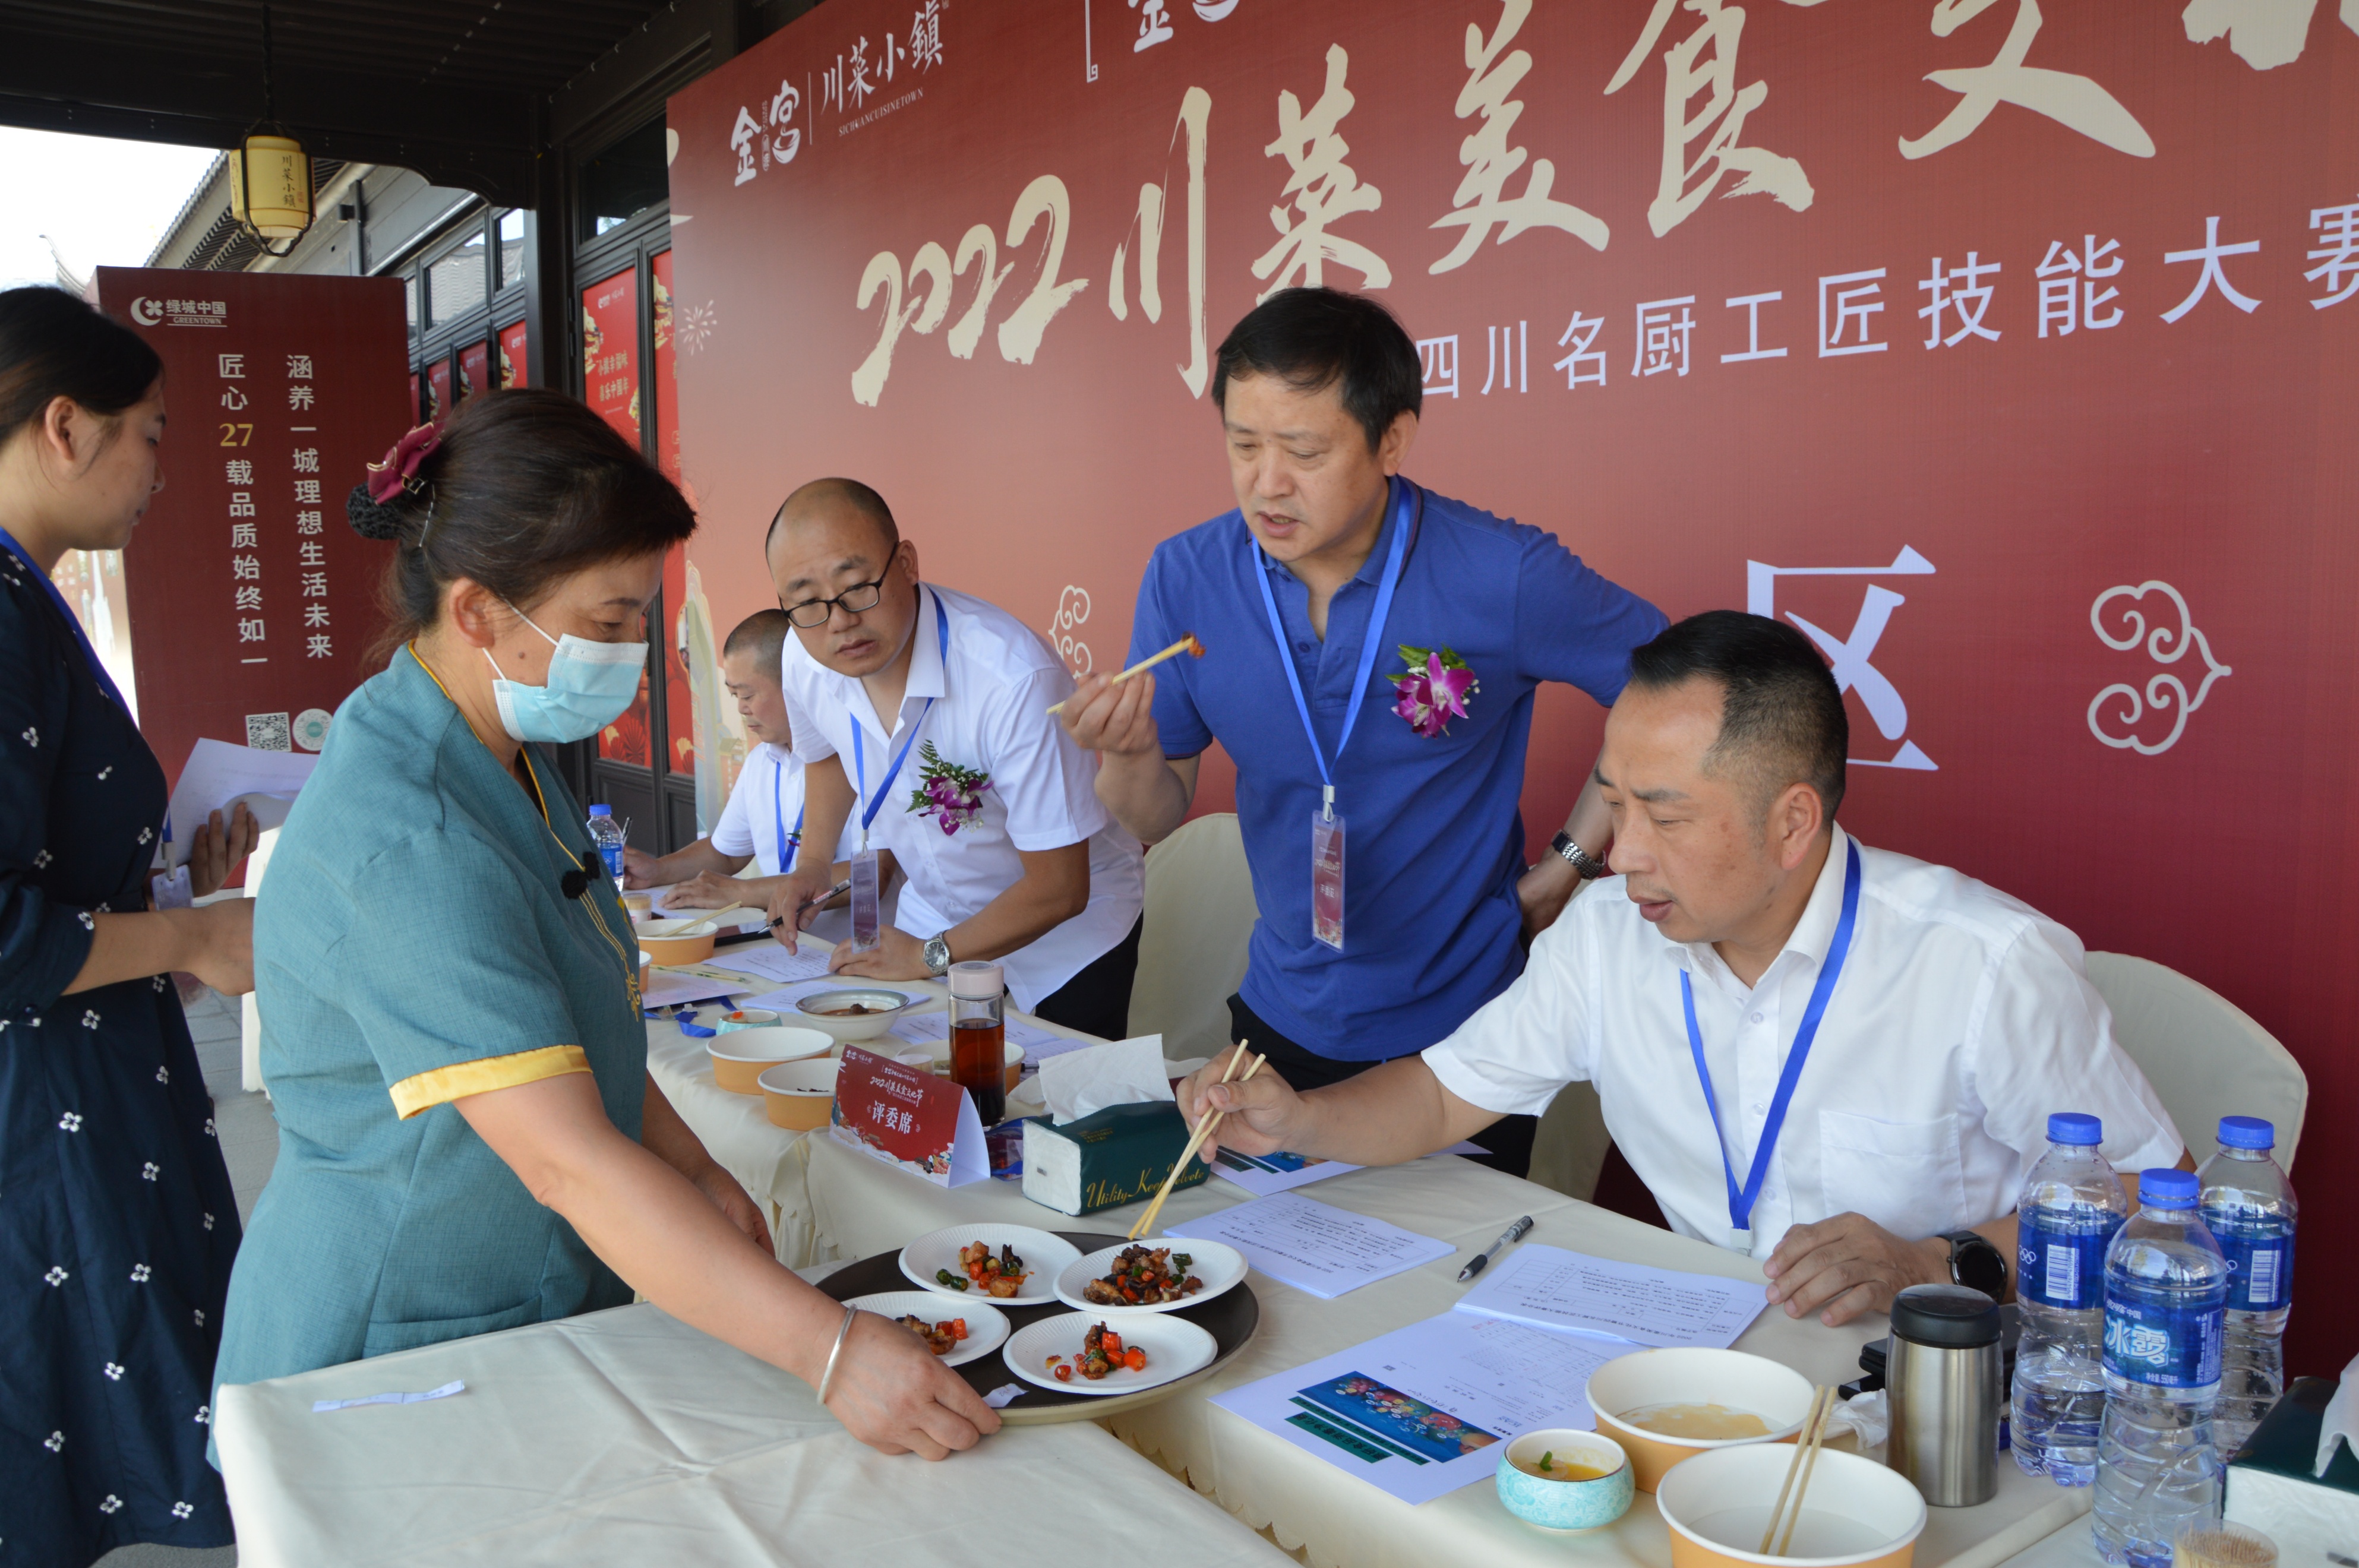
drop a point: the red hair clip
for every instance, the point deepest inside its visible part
(399, 471)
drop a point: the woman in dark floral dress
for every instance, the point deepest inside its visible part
(118, 1226)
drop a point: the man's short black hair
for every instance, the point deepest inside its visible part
(763, 635)
(1312, 338)
(1781, 718)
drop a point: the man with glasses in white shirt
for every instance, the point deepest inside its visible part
(1837, 1059)
(921, 717)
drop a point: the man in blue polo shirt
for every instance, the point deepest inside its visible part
(1371, 650)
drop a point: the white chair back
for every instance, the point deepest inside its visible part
(1192, 954)
(2205, 1058)
(250, 1030)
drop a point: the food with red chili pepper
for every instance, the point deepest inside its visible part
(1143, 1278)
(1103, 1352)
(1002, 1276)
(941, 1338)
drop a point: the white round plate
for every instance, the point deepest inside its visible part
(1175, 1349)
(986, 1326)
(1045, 1257)
(1220, 1266)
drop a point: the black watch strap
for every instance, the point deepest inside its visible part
(1976, 1264)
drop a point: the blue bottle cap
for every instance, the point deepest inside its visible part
(2248, 1132)
(2077, 1128)
(601, 811)
(2168, 1189)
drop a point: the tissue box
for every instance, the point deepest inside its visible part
(1106, 1159)
(2271, 1489)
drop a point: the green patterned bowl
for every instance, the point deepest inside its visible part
(1566, 1505)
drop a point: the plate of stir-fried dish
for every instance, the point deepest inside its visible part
(958, 1332)
(1011, 1265)
(1087, 1353)
(1150, 1276)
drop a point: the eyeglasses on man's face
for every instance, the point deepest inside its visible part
(859, 597)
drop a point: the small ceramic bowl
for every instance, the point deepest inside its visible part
(747, 1018)
(1855, 1513)
(1566, 1505)
(800, 1095)
(884, 1006)
(1732, 1379)
(740, 1059)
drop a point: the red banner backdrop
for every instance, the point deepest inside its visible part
(2002, 346)
(253, 603)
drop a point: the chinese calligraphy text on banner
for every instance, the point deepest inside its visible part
(2009, 349)
(253, 603)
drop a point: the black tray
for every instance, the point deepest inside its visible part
(1230, 1318)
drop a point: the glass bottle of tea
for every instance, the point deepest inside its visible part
(979, 1037)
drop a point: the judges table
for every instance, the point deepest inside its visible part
(838, 1202)
(624, 1438)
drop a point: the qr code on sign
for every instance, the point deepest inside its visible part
(269, 733)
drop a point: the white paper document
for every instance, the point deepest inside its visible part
(667, 989)
(1313, 1246)
(659, 903)
(1422, 1411)
(933, 1028)
(1263, 1174)
(773, 963)
(218, 773)
(1557, 1289)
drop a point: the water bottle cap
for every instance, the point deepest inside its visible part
(2248, 1132)
(601, 811)
(2076, 1128)
(975, 980)
(1952, 1318)
(2168, 1189)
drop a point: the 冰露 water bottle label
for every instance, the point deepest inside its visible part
(2167, 1347)
(2260, 1265)
(2058, 1267)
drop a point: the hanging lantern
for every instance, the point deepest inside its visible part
(270, 190)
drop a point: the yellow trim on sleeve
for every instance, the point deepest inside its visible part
(424, 1091)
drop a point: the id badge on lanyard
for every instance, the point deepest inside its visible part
(1327, 823)
(867, 893)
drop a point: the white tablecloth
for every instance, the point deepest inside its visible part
(626, 1438)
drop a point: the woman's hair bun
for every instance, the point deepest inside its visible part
(372, 519)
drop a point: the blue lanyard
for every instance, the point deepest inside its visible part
(1374, 638)
(789, 845)
(1740, 1203)
(859, 752)
(106, 681)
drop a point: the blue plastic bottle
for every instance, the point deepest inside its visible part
(2248, 1204)
(2166, 1295)
(607, 835)
(2072, 1205)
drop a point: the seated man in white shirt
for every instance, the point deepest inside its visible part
(1956, 1020)
(763, 821)
(921, 717)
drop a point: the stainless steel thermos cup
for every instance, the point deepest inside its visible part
(1943, 1375)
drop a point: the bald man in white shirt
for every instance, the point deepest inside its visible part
(1954, 1020)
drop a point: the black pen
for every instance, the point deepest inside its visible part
(842, 887)
(1514, 1234)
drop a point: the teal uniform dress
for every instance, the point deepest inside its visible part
(414, 943)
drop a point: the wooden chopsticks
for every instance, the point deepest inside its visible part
(1188, 644)
(689, 924)
(1203, 1128)
(1805, 1460)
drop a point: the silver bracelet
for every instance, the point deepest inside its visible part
(827, 1378)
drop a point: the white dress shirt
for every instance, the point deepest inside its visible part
(1961, 1018)
(991, 714)
(770, 791)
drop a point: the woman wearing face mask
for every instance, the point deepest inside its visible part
(117, 1223)
(469, 1140)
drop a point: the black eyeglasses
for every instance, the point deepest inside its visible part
(860, 596)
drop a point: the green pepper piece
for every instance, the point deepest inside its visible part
(1545, 1465)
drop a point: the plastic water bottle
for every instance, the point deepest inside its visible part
(2249, 1206)
(2072, 1205)
(2166, 1293)
(607, 835)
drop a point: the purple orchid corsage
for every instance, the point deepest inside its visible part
(950, 794)
(1433, 690)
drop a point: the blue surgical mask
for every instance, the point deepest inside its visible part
(590, 685)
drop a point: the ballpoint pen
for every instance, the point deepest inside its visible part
(1514, 1234)
(842, 887)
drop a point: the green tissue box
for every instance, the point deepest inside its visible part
(1106, 1159)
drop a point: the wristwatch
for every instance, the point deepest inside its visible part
(1581, 860)
(1975, 1263)
(938, 954)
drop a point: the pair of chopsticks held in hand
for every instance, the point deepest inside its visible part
(1188, 644)
(1805, 1460)
(1203, 1129)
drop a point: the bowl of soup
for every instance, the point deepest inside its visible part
(1665, 1407)
(740, 1057)
(1558, 1478)
(1854, 1513)
(853, 1013)
(800, 1095)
